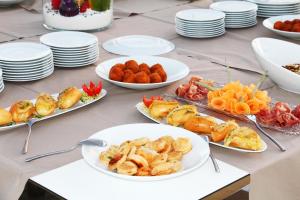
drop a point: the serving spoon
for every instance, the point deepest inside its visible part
(89, 142)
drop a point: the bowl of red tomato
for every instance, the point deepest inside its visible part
(285, 25)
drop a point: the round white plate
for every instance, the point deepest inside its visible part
(269, 24)
(175, 70)
(77, 58)
(241, 25)
(216, 22)
(208, 26)
(138, 45)
(201, 29)
(70, 61)
(18, 66)
(200, 15)
(200, 37)
(275, 2)
(68, 39)
(78, 49)
(71, 65)
(28, 75)
(33, 62)
(240, 16)
(233, 6)
(195, 32)
(27, 79)
(33, 72)
(118, 134)
(240, 22)
(23, 51)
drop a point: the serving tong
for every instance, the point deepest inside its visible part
(245, 118)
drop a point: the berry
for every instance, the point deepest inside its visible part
(55, 4)
(84, 6)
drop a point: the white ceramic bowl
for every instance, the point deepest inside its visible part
(269, 24)
(272, 54)
(175, 70)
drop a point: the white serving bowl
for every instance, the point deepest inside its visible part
(272, 54)
(175, 70)
(269, 24)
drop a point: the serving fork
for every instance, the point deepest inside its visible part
(253, 119)
(212, 157)
(30, 124)
(90, 142)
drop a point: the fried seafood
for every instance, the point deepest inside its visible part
(200, 124)
(116, 74)
(143, 157)
(144, 68)
(129, 76)
(183, 145)
(142, 77)
(132, 65)
(22, 111)
(5, 117)
(155, 78)
(69, 97)
(182, 114)
(220, 131)
(159, 109)
(45, 104)
(244, 138)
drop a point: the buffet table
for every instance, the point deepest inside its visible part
(274, 175)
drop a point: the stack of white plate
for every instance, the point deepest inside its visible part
(5, 3)
(239, 14)
(200, 23)
(25, 61)
(72, 48)
(1, 81)
(270, 8)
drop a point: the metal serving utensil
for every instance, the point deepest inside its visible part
(212, 157)
(253, 119)
(90, 142)
(30, 124)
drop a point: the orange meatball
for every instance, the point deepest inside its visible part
(116, 74)
(120, 65)
(278, 25)
(156, 67)
(145, 68)
(129, 76)
(142, 77)
(155, 78)
(132, 65)
(162, 74)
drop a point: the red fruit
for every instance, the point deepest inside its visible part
(84, 6)
(278, 25)
(55, 4)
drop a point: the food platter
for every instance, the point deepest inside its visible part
(57, 112)
(175, 70)
(191, 161)
(143, 110)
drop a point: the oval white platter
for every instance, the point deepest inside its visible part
(144, 110)
(57, 112)
(118, 134)
(175, 70)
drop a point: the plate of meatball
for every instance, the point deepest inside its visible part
(142, 72)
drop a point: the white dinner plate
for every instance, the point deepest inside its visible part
(241, 25)
(174, 69)
(200, 29)
(71, 65)
(29, 62)
(200, 26)
(200, 36)
(23, 51)
(73, 61)
(28, 75)
(76, 51)
(26, 65)
(31, 72)
(119, 134)
(95, 44)
(233, 6)
(138, 45)
(144, 111)
(77, 58)
(200, 15)
(275, 2)
(215, 22)
(269, 24)
(195, 33)
(27, 79)
(68, 39)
